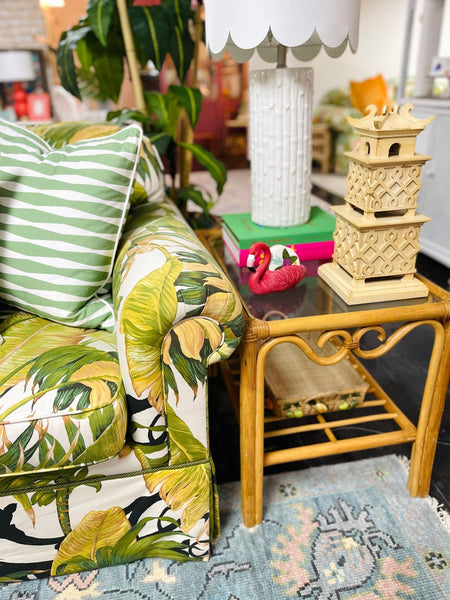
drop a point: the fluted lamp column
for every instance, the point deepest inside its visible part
(281, 99)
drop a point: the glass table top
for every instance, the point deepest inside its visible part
(312, 296)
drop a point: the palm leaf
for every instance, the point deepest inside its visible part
(100, 420)
(150, 158)
(19, 576)
(152, 546)
(161, 141)
(164, 29)
(148, 313)
(100, 14)
(181, 49)
(215, 167)
(187, 489)
(184, 447)
(71, 365)
(202, 199)
(195, 297)
(82, 377)
(25, 340)
(27, 506)
(102, 376)
(192, 279)
(192, 370)
(190, 99)
(58, 134)
(156, 105)
(179, 12)
(77, 443)
(152, 30)
(222, 306)
(109, 426)
(19, 452)
(96, 530)
(64, 57)
(125, 115)
(181, 44)
(193, 333)
(66, 65)
(129, 548)
(101, 72)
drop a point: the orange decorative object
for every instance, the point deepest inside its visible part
(370, 91)
(269, 277)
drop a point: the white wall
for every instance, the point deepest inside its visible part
(380, 49)
(444, 43)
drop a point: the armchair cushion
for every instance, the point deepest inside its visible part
(62, 213)
(63, 402)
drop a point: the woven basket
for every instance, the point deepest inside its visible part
(296, 386)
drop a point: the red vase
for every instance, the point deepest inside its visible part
(19, 97)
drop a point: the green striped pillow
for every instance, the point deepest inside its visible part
(149, 179)
(61, 216)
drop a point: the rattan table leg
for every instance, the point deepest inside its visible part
(424, 448)
(251, 476)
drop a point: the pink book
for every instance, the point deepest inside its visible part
(306, 252)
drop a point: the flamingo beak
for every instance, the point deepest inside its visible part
(251, 261)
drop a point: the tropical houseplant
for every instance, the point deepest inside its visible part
(138, 31)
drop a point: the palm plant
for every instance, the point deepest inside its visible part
(115, 31)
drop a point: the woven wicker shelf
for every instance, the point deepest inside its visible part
(376, 406)
(297, 386)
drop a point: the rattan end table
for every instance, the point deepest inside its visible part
(313, 307)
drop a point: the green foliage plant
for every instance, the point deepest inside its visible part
(159, 32)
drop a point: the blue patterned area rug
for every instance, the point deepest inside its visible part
(343, 532)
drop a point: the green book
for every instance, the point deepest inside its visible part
(319, 228)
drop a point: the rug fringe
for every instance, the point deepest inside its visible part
(442, 513)
(404, 461)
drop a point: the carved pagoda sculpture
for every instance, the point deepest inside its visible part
(377, 230)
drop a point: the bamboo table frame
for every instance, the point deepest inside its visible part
(261, 335)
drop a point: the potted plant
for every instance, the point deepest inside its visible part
(115, 31)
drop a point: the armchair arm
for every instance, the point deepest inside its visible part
(176, 312)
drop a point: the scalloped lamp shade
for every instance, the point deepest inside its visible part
(240, 26)
(281, 99)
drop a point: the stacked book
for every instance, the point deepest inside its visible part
(311, 241)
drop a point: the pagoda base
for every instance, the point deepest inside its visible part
(354, 291)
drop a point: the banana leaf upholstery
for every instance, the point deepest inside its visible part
(104, 451)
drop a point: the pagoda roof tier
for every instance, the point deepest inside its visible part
(393, 120)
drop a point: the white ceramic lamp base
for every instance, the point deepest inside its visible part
(280, 145)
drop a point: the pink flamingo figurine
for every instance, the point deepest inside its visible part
(264, 280)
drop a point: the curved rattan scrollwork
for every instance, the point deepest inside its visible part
(307, 349)
(346, 342)
(386, 343)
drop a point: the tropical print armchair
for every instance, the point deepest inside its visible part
(104, 453)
